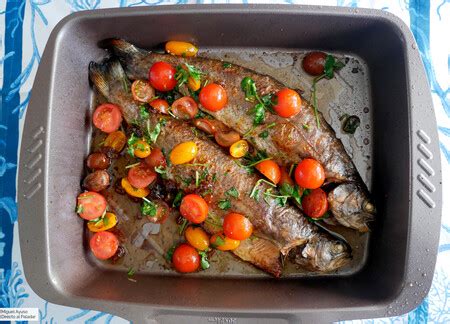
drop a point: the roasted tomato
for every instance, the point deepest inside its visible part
(194, 208)
(104, 245)
(185, 259)
(269, 169)
(116, 140)
(132, 191)
(162, 76)
(142, 91)
(142, 149)
(197, 237)
(98, 161)
(213, 97)
(96, 181)
(155, 159)
(314, 63)
(288, 103)
(141, 176)
(239, 149)
(237, 226)
(224, 243)
(315, 204)
(160, 105)
(309, 174)
(185, 108)
(183, 49)
(107, 117)
(183, 152)
(108, 222)
(90, 205)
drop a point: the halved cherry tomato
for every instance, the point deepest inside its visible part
(142, 149)
(183, 152)
(160, 105)
(270, 169)
(309, 174)
(315, 204)
(209, 126)
(116, 140)
(185, 108)
(288, 103)
(239, 149)
(224, 243)
(185, 258)
(197, 237)
(155, 159)
(213, 97)
(98, 161)
(194, 208)
(142, 91)
(194, 84)
(178, 48)
(162, 76)
(162, 212)
(237, 226)
(314, 63)
(90, 205)
(141, 176)
(284, 177)
(104, 245)
(226, 138)
(132, 191)
(108, 222)
(107, 117)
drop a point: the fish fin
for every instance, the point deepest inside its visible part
(115, 70)
(98, 76)
(122, 49)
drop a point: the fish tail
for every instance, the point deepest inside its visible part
(120, 48)
(98, 76)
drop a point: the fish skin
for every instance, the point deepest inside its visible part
(288, 142)
(284, 227)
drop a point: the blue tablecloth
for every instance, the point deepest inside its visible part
(24, 29)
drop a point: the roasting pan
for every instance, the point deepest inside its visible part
(405, 169)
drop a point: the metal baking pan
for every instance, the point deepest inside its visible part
(404, 168)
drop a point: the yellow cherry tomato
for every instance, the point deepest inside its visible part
(132, 191)
(108, 222)
(239, 149)
(183, 153)
(193, 84)
(142, 149)
(197, 237)
(184, 49)
(116, 140)
(223, 243)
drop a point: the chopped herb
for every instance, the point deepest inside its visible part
(194, 131)
(280, 199)
(165, 157)
(291, 169)
(177, 200)
(248, 85)
(264, 134)
(169, 111)
(306, 192)
(226, 65)
(148, 207)
(194, 95)
(152, 135)
(204, 262)
(186, 181)
(162, 171)
(131, 272)
(169, 253)
(259, 112)
(224, 204)
(251, 161)
(291, 192)
(185, 72)
(143, 112)
(105, 221)
(226, 173)
(169, 96)
(232, 192)
(182, 227)
(305, 126)
(219, 241)
(131, 144)
(79, 209)
(255, 192)
(129, 166)
(197, 179)
(200, 114)
(350, 124)
(214, 177)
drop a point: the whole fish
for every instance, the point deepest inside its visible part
(288, 142)
(278, 228)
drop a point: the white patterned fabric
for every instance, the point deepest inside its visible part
(25, 26)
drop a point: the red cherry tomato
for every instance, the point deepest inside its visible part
(194, 208)
(90, 205)
(288, 103)
(160, 105)
(155, 159)
(237, 226)
(213, 97)
(314, 63)
(162, 76)
(315, 204)
(104, 245)
(185, 258)
(107, 117)
(142, 91)
(270, 169)
(141, 176)
(185, 108)
(309, 174)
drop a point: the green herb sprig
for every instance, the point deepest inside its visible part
(263, 104)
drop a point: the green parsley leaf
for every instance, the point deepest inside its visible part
(185, 72)
(177, 200)
(219, 241)
(204, 262)
(232, 192)
(226, 65)
(224, 204)
(131, 272)
(182, 227)
(79, 209)
(162, 171)
(169, 253)
(264, 134)
(291, 191)
(131, 144)
(143, 112)
(249, 87)
(148, 207)
(305, 126)
(259, 112)
(152, 135)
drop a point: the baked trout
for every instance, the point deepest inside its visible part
(288, 141)
(277, 228)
